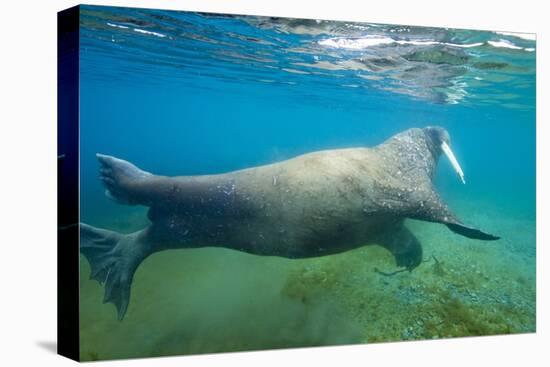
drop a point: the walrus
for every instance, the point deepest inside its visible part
(316, 204)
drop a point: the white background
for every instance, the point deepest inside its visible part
(28, 182)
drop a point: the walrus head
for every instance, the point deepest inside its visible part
(411, 156)
(439, 141)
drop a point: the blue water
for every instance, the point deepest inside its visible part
(180, 93)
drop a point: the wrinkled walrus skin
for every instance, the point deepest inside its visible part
(316, 204)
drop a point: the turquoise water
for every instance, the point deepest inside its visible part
(180, 93)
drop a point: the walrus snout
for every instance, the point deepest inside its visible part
(437, 136)
(440, 142)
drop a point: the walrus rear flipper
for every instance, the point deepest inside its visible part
(118, 175)
(113, 259)
(435, 210)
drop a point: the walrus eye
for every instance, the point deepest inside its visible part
(449, 153)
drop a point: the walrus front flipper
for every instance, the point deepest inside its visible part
(433, 209)
(403, 245)
(113, 259)
(471, 232)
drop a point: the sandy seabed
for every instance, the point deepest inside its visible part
(216, 300)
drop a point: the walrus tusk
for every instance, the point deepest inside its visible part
(449, 153)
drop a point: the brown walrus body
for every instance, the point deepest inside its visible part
(316, 204)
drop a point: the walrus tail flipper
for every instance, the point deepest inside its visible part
(433, 209)
(113, 259)
(118, 176)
